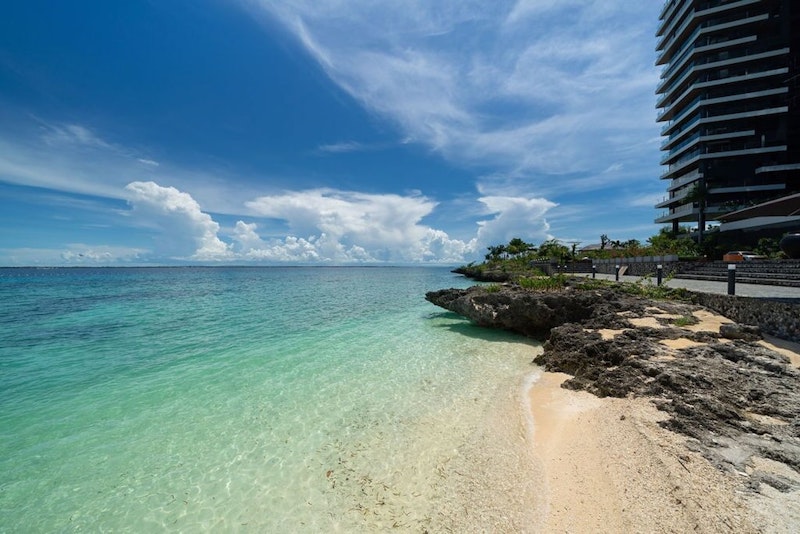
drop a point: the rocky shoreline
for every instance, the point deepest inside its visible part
(733, 397)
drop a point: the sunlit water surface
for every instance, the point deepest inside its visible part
(238, 399)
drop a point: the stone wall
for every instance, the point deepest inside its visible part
(642, 266)
(775, 317)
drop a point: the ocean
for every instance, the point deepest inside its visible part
(239, 399)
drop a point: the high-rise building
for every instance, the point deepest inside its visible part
(729, 101)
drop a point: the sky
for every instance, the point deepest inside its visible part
(326, 132)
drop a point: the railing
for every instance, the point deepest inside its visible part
(678, 148)
(665, 87)
(681, 164)
(683, 116)
(686, 109)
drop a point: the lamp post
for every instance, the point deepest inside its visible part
(616, 270)
(659, 273)
(731, 279)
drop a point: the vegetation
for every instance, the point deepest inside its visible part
(516, 261)
(686, 320)
(641, 288)
(543, 283)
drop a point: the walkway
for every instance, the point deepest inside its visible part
(742, 290)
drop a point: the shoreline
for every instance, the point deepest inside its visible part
(649, 414)
(608, 466)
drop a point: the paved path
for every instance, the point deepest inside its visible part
(742, 290)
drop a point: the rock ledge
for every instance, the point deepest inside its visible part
(734, 398)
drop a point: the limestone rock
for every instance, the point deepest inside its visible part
(740, 331)
(732, 396)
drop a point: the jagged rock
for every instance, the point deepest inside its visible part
(529, 313)
(740, 331)
(730, 394)
(483, 275)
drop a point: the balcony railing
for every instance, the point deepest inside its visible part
(761, 51)
(677, 183)
(671, 37)
(734, 78)
(679, 148)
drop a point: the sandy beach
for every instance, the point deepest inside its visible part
(607, 466)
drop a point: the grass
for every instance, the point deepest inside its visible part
(641, 288)
(686, 320)
(543, 283)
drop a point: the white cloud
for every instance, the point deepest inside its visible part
(71, 134)
(78, 253)
(348, 226)
(68, 157)
(189, 232)
(73, 254)
(578, 74)
(325, 225)
(647, 200)
(526, 9)
(345, 146)
(514, 217)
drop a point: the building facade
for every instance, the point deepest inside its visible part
(729, 101)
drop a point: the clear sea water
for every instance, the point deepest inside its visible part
(240, 399)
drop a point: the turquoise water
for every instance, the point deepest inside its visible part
(238, 399)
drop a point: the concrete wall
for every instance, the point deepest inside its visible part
(642, 266)
(639, 266)
(778, 318)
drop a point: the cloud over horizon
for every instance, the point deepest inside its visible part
(328, 226)
(325, 131)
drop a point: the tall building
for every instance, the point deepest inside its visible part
(729, 101)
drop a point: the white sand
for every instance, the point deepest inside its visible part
(607, 466)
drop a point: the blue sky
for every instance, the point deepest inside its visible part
(324, 131)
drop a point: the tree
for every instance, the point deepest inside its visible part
(604, 241)
(517, 246)
(495, 251)
(553, 249)
(668, 242)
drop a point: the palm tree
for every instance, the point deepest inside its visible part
(495, 252)
(517, 246)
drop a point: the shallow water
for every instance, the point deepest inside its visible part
(239, 399)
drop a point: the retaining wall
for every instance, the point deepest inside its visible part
(778, 318)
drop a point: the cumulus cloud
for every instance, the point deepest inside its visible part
(331, 226)
(179, 217)
(353, 226)
(514, 217)
(325, 226)
(318, 226)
